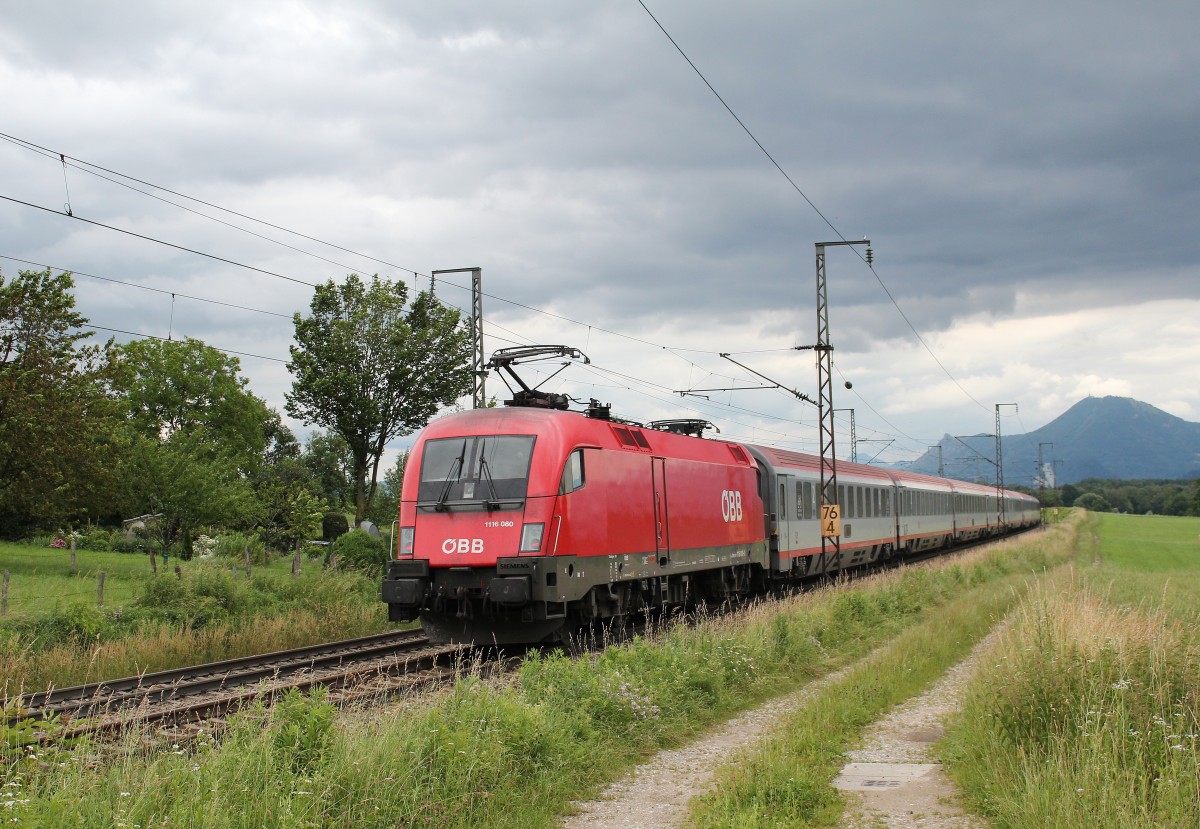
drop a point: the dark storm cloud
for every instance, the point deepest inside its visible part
(1004, 158)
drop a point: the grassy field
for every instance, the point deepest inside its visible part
(55, 633)
(1088, 712)
(1148, 561)
(516, 753)
(40, 578)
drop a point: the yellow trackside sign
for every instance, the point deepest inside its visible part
(831, 520)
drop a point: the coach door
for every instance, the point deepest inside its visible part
(662, 536)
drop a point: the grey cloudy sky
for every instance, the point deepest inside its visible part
(1027, 172)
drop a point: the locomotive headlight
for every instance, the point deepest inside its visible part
(406, 541)
(531, 537)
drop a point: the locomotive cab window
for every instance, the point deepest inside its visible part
(572, 477)
(475, 470)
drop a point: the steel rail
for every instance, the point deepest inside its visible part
(92, 698)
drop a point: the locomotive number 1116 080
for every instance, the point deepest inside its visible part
(491, 524)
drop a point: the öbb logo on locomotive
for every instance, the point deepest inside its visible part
(524, 523)
(462, 545)
(731, 505)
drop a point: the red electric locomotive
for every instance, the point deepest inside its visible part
(520, 519)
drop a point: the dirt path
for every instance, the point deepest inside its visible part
(894, 779)
(909, 790)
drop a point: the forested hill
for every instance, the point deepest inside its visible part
(1098, 437)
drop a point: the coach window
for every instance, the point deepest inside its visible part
(572, 477)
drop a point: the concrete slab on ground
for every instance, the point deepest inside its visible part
(867, 777)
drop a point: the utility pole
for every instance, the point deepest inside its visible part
(479, 397)
(941, 465)
(853, 436)
(1001, 508)
(831, 530)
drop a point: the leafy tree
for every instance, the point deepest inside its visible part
(371, 369)
(189, 485)
(1093, 501)
(56, 415)
(386, 506)
(331, 466)
(281, 441)
(301, 516)
(187, 387)
(1069, 493)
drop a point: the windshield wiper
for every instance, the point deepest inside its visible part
(494, 502)
(451, 477)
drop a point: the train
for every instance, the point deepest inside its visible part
(524, 524)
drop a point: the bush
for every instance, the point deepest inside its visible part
(334, 525)
(204, 596)
(234, 546)
(359, 551)
(96, 539)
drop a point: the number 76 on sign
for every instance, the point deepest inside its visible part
(831, 520)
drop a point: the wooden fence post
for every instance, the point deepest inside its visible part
(246, 550)
(72, 553)
(4, 596)
(100, 591)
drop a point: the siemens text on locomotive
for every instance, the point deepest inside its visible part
(518, 525)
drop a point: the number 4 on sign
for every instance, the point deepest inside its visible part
(831, 520)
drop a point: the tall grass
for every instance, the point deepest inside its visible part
(1087, 714)
(511, 753)
(203, 617)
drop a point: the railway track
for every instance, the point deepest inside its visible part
(352, 669)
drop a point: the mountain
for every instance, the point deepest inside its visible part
(1098, 437)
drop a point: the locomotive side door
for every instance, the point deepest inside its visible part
(662, 536)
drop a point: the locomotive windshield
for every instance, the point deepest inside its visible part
(481, 470)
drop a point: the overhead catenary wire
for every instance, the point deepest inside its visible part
(159, 241)
(811, 204)
(145, 287)
(675, 351)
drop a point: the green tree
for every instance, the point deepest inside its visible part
(187, 387)
(57, 418)
(188, 485)
(386, 506)
(371, 369)
(1094, 502)
(331, 465)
